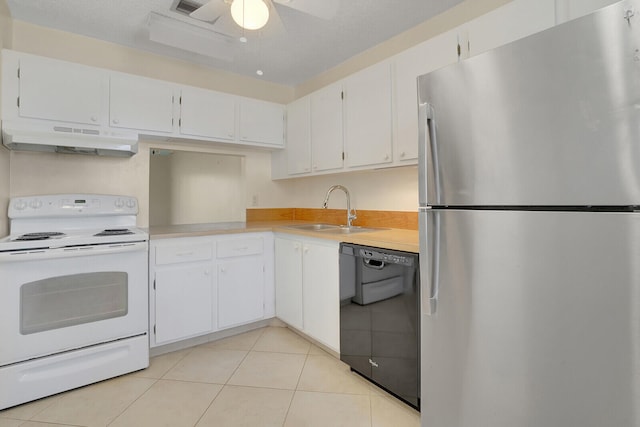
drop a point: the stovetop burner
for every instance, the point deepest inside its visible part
(40, 235)
(114, 232)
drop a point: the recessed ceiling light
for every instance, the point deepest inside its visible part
(259, 72)
(243, 39)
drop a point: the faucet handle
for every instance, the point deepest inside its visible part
(352, 214)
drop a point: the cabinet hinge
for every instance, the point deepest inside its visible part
(180, 122)
(154, 284)
(180, 100)
(343, 155)
(459, 50)
(264, 270)
(154, 329)
(18, 72)
(18, 101)
(342, 95)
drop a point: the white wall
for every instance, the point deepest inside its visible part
(191, 188)
(5, 42)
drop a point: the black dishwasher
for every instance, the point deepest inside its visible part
(379, 318)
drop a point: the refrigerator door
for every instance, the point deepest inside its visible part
(537, 321)
(552, 119)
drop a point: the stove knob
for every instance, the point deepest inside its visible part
(35, 204)
(119, 203)
(131, 203)
(20, 205)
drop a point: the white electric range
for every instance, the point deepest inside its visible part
(73, 294)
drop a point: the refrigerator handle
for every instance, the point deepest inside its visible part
(428, 143)
(429, 226)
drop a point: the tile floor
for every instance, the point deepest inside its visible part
(267, 377)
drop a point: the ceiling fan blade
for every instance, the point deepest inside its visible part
(274, 26)
(325, 9)
(225, 24)
(210, 11)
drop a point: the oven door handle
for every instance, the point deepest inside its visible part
(73, 251)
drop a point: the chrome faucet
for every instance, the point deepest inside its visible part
(351, 214)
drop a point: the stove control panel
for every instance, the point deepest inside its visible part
(69, 205)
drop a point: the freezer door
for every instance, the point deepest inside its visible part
(552, 119)
(537, 321)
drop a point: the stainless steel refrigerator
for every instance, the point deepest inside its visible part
(530, 230)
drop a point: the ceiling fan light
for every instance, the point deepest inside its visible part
(250, 14)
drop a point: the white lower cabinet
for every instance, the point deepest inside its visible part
(307, 287)
(199, 285)
(183, 295)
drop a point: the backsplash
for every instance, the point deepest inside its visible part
(366, 218)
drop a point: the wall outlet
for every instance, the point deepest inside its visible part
(254, 200)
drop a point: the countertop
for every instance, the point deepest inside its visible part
(389, 238)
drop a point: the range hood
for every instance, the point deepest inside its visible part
(69, 140)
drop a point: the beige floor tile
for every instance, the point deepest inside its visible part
(247, 406)
(282, 340)
(389, 412)
(170, 404)
(28, 410)
(160, 365)
(9, 422)
(273, 370)
(207, 365)
(244, 341)
(96, 404)
(327, 374)
(310, 409)
(317, 350)
(39, 424)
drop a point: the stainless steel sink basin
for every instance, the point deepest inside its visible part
(350, 230)
(314, 227)
(333, 229)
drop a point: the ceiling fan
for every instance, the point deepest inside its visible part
(233, 16)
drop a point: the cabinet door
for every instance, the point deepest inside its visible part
(327, 141)
(140, 103)
(62, 91)
(183, 301)
(205, 113)
(367, 127)
(288, 274)
(240, 291)
(421, 59)
(261, 122)
(513, 21)
(298, 137)
(321, 299)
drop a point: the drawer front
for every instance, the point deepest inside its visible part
(183, 253)
(240, 247)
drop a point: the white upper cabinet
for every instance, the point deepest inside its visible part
(326, 128)
(61, 91)
(513, 21)
(261, 122)
(571, 9)
(298, 137)
(205, 113)
(140, 103)
(421, 59)
(367, 116)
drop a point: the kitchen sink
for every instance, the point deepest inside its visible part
(334, 229)
(314, 227)
(350, 230)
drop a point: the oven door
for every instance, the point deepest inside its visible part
(55, 300)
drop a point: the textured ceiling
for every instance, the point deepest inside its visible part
(308, 45)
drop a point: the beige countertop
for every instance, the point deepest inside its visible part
(389, 238)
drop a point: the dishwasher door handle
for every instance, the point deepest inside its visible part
(373, 263)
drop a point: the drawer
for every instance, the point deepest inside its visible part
(240, 247)
(183, 253)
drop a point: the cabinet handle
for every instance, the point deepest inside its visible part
(305, 250)
(386, 157)
(116, 121)
(223, 270)
(94, 118)
(315, 167)
(402, 154)
(230, 135)
(296, 248)
(206, 272)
